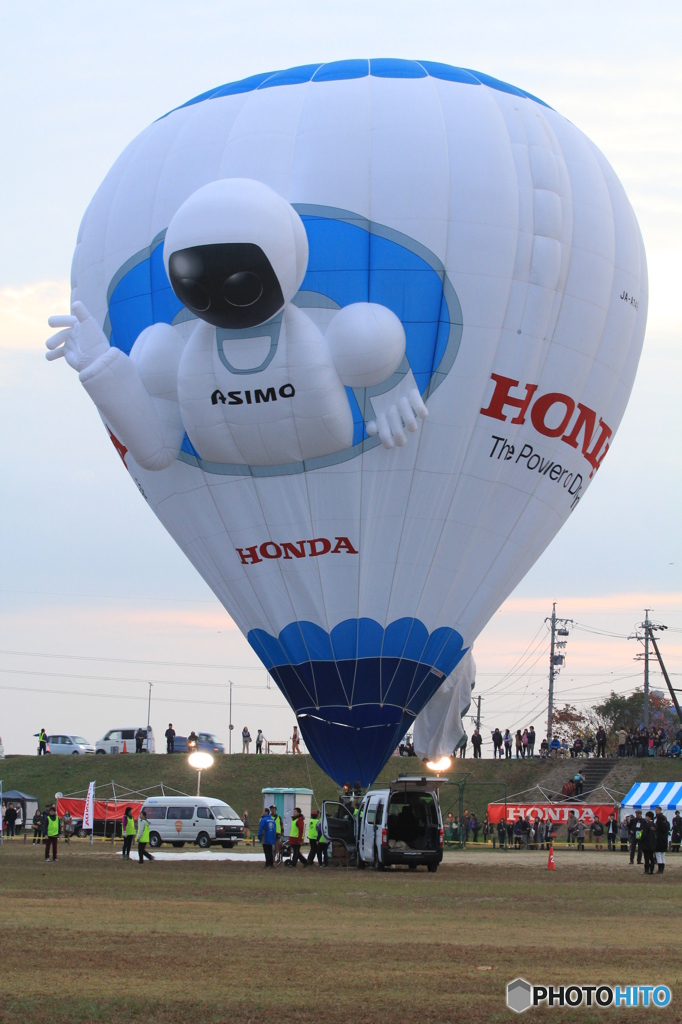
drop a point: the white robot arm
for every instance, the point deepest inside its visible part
(136, 394)
(367, 342)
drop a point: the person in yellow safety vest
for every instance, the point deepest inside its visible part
(312, 836)
(278, 826)
(42, 742)
(128, 830)
(296, 837)
(143, 837)
(322, 846)
(51, 832)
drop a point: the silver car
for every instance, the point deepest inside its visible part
(61, 744)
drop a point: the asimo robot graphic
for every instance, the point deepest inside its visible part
(236, 253)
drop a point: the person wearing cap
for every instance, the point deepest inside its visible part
(128, 829)
(143, 837)
(267, 835)
(662, 833)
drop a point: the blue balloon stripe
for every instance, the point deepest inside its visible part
(353, 742)
(340, 70)
(407, 638)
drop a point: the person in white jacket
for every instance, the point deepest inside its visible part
(143, 837)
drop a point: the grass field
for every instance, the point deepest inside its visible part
(92, 938)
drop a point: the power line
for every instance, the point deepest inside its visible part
(128, 679)
(123, 696)
(133, 661)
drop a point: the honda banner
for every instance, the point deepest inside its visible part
(556, 813)
(89, 810)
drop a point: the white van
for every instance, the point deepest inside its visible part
(401, 824)
(122, 741)
(192, 819)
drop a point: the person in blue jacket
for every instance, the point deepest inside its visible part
(267, 835)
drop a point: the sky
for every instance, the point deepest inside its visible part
(96, 601)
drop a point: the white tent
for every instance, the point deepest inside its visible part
(645, 796)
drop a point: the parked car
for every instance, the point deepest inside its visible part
(60, 743)
(207, 742)
(401, 824)
(192, 819)
(122, 741)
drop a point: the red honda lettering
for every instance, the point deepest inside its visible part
(343, 544)
(270, 544)
(502, 398)
(538, 413)
(249, 556)
(323, 550)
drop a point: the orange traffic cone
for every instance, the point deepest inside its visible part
(125, 748)
(551, 866)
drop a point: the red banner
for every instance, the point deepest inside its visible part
(556, 813)
(105, 810)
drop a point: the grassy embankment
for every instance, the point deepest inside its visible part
(93, 938)
(239, 779)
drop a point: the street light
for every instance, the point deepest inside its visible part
(200, 760)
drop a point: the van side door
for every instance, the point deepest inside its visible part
(367, 840)
(338, 823)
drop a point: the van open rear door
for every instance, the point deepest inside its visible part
(338, 824)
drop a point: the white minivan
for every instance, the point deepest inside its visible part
(399, 824)
(192, 819)
(63, 744)
(122, 741)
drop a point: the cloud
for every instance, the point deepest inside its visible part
(24, 312)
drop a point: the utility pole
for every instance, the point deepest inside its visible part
(478, 715)
(149, 712)
(558, 628)
(550, 701)
(648, 626)
(230, 727)
(647, 633)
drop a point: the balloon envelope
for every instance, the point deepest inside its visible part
(501, 238)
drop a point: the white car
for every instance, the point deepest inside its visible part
(59, 743)
(122, 741)
(192, 819)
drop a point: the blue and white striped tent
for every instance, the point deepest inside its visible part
(644, 796)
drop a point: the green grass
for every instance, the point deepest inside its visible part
(93, 938)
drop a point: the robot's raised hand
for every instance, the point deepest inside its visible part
(391, 425)
(81, 342)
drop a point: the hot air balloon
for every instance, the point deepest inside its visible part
(362, 333)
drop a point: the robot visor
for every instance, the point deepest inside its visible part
(230, 285)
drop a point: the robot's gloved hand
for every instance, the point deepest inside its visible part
(389, 425)
(82, 341)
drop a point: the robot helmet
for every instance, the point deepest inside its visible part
(235, 253)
